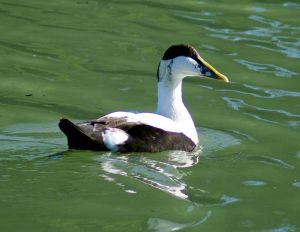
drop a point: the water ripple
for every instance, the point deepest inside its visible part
(29, 49)
(273, 93)
(27, 141)
(197, 18)
(255, 111)
(226, 200)
(165, 172)
(292, 5)
(298, 154)
(259, 36)
(271, 161)
(267, 68)
(238, 103)
(260, 92)
(283, 228)
(255, 183)
(296, 184)
(260, 32)
(269, 22)
(214, 140)
(257, 9)
(288, 51)
(162, 225)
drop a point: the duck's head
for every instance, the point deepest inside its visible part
(180, 61)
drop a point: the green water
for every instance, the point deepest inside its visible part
(83, 58)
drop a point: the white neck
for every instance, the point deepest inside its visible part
(170, 105)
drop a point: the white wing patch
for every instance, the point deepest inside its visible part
(154, 120)
(113, 137)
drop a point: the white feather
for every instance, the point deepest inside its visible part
(170, 105)
(114, 137)
(158, 121)
(171, 114)
(150, 119)
(169, 89)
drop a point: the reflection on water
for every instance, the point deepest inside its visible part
(166, 172)
(73, 63)
(163, 171)
(162, 225)
(162, 175)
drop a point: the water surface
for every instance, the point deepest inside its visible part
(80, 59)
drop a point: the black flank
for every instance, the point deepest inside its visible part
(142, 137)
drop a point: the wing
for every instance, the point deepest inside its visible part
(146, 138)
(81, 137)
(150, 119)
(144, 132)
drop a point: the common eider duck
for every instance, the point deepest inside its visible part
(171, 127)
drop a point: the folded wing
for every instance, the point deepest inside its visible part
(126, 132)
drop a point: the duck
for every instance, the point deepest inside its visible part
(171, 127)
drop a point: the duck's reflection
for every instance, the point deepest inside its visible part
(163, 173)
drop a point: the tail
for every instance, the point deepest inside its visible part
(77, 138)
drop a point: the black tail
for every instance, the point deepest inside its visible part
(77, 138)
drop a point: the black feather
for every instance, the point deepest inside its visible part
(141, 137)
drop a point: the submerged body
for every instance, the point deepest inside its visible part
(170, 128)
